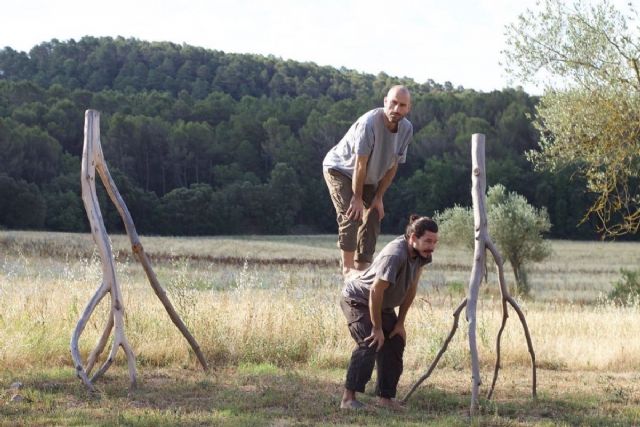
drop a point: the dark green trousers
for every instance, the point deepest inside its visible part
(388, 361)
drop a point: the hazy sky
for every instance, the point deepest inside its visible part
(457, 41)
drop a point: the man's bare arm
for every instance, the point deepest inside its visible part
(376, 295)
(356, 206)
(408, 299)
(386, 180)
(399, 329)
(383, 185)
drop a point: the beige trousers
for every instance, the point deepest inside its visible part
(353, 236)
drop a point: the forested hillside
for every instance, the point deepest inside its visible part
(204, 142)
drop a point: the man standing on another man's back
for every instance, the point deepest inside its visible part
(359, 170)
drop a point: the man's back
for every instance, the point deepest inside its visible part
(394, 265)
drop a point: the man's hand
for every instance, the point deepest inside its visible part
(377, 205)
(376, 337)
(356, 208)
(376, 295)
(398, 329)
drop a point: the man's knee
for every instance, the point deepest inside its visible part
(347, 233)
(395, 346)
(367, 239)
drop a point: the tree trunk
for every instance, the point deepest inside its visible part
(478, 191)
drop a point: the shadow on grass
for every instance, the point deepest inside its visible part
(266, 395)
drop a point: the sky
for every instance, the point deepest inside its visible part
(457, 41)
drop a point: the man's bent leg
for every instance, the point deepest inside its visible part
(368, 231)
(360, 367)
(347, 260)
(363, 357)
(367, 237)
(389, 359)
(339, 186)
(390, 367)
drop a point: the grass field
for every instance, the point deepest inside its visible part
(264, 311)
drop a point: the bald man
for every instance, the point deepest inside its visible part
(358, 171)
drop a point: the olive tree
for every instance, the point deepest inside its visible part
(455, 226)
(587, 57)
(516, 227)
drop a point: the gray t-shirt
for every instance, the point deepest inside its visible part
(368, 136)
(394, 265)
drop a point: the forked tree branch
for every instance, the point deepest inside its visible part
(454, 328)
(92, 161)
(482, 243)
(506, 297)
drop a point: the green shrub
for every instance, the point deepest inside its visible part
(516, 227)
(627, 290)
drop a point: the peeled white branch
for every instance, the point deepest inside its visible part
(506, 297)
(100, 345)
(478, 190)
(92, 161)
(75, 351)
(482, 243)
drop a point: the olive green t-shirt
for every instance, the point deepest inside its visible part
(394, 265)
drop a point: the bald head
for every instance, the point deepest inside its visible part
(399, 89)
(397, 105)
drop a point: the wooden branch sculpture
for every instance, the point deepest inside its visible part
(482, 243)
(92, 161)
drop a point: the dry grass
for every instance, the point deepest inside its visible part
(253, 311)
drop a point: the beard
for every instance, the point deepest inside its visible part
(420, 256)
(425, 258)
(394, 118)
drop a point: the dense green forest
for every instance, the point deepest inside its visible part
(205, 142)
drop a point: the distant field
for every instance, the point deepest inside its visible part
(264, 310)
(576, 272)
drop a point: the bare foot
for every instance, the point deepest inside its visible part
(391, 404)
(352, 404)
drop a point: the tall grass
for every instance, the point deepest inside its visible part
(257, 312)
